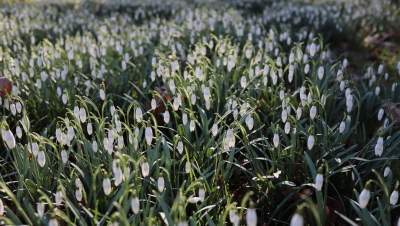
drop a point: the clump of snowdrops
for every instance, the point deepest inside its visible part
(183, 115)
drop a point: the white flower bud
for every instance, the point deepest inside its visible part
(107, 186)
(297, 220)
(364, 197)
(319, 181)
(251, 217)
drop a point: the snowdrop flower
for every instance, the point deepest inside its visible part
(58, 198)
(275, 140)
(249, 122)
(187, 167)
(349, 103)
(82, 115)
(379, 147)
(138, 114)
(179, 147)
(319, 181)
(192, 125)
(297, 220)
(310, 142)
(148, 133)
(321, 72)
(89, 128)
(230, 138)
(41, 158)
(107, 186)
(394, 197)
(306, 69)
(135, 205)
(40, 209)
(214, 130)
(145, 169)
(53, 222)
(1, 208)
(291, 73)
(166, 117)
(387, 171)
(284, 115)
(251, 217)
(243, 82)
(193, 99)
(118, 175)
(313, 112)
(102, 94)
(18, 131)
(299, 112)
(234, 217)
(380, 114)
(8, 138)
(287, 128)
(153, 104)
(160, 184)
(64, 156)
(184, 118)
(94, 146)
(342, 126)
(364, 197)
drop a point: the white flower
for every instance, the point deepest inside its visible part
(297, 220)
(187, 167)
(145, 169)
(230, 138)
(1, 208)
(40, 209)
(243, 82)
(148, 133)
(179, 147)
(138, 114)
(234, 217)
(166, 117)
(89, 128)
(118, 175)
(58, 198)
(214, 130)
(82, 115)
(184, 118)
(94, 146)
(387, 171)
(8, 138)
(107, 186)
(64, 156)
(34, 148)
(310, 142)
(18, 131)
(102, 94)
(78, 195)
(380, 114)
(342, 126)
(394, 197)
(153, 104)
(135, 205)
(284, 115)
(364, 197)
(251, 217)
(319, 181)
(53, 222)
(321, 72)
(160, 184)
(299, 111)
(249, 122)
(275, 140)
(349, 103)
(41, 158)
(287, 128)
(379, 147)
(313, 112)
(291, 73)
(192, 125)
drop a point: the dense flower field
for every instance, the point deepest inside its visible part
(197, 113)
